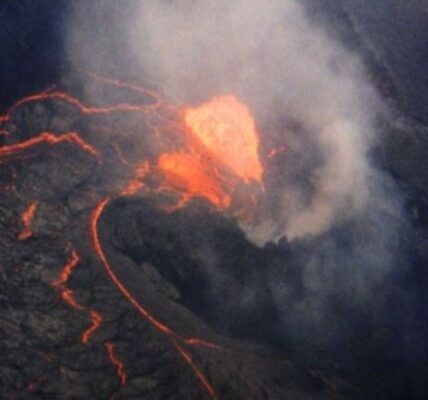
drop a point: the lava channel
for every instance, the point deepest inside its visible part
(116, 362)
(218, 136)
(160, 326)
(27, 220)
(50, 139)
(68, 296)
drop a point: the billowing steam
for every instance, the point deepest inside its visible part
(306, 91)
(308, 94)
(316, 115)
(314, 107)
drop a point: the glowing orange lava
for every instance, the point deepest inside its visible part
(50, 139)
(96, 322)
(190, 175)
(116, 362)
(136, 183)
(98, 249)
(27, 219)
(160, 326)
(197, 342)
(125, 85)
(87, 110)
(204, 381)
(227, 129)
(219, 147)
(120, 154)
(68, 296)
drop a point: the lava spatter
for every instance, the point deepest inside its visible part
(226, 128)
(221, 154)
(276, 151)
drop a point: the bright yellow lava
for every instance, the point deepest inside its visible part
(226, 128)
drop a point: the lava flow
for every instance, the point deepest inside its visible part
(226, 128)
(219, 150)
(68, 296)
(86, 110)
(160, 326)
(27, 219)
(47, 138)
(222, 149)
(116, 362)
(193, 177)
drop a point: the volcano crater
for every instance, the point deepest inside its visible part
(204, 261)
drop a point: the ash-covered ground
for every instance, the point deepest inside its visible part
(105, 296)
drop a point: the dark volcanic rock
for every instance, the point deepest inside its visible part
(179, 265)
(162, 261)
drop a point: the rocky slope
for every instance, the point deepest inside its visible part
(71, 328)
(68, 329)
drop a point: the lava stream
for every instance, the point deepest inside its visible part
(96, 322)
(116, 362)
(204, 381)
(125, 85)
(119, 153)
(220, 147)
(68, 296)
(203, 343)
(27, 219)
(96, 214)
(50, 139)
(86, 110)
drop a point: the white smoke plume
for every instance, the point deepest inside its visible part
(307, 92)
(305, 89)
(285, 67)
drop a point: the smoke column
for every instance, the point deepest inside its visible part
(311, 97)
(306, 91)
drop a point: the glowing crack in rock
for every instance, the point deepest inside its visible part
(160, 326)
(68, 296)
(219, 147)
(27, 220)
(116, 362)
